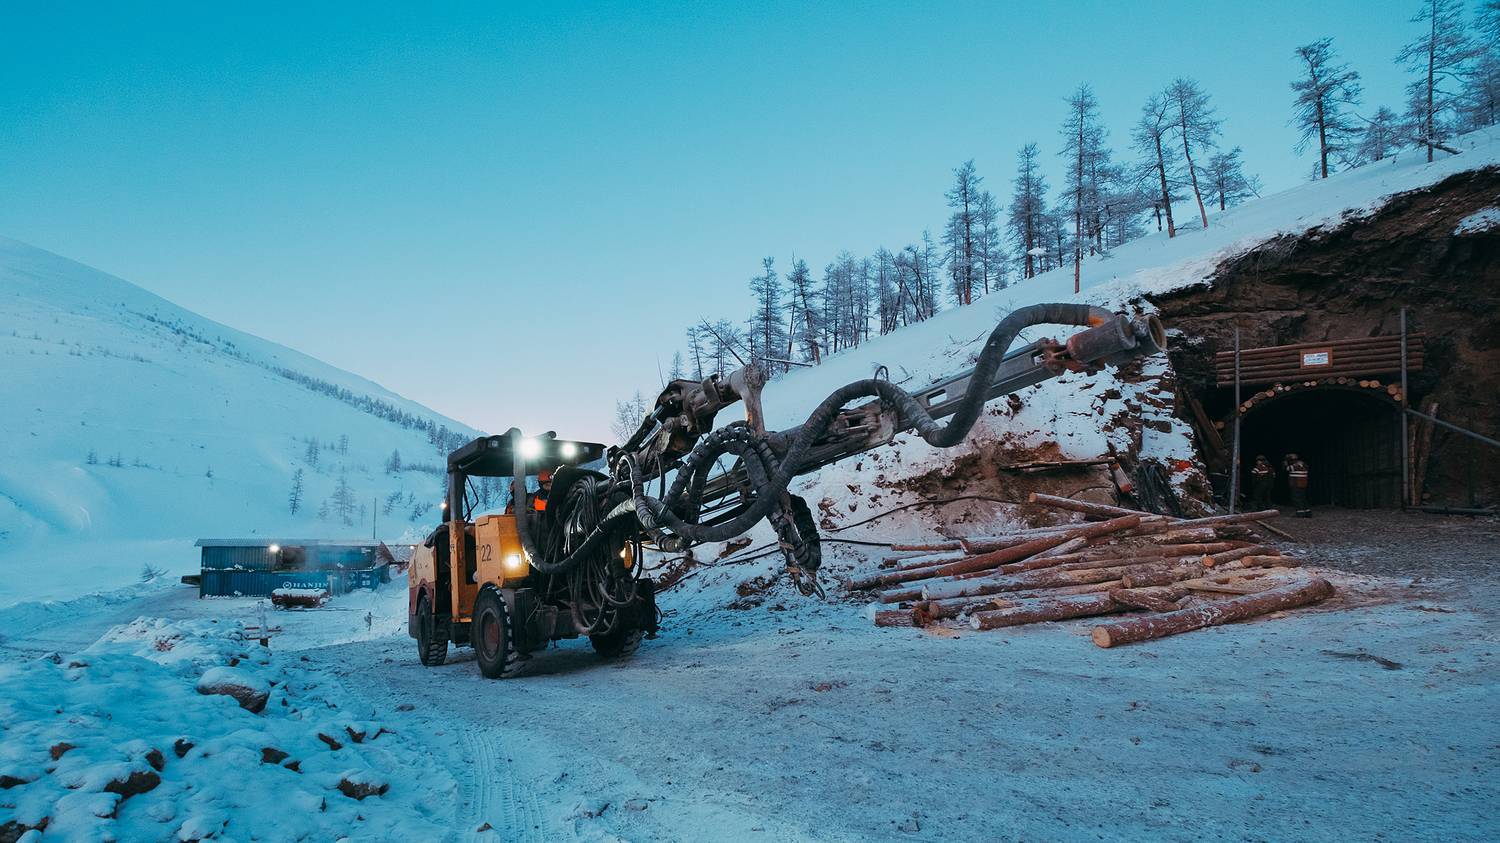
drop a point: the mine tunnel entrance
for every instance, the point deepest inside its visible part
(1350, 440)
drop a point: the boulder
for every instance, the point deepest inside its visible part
(249, 690)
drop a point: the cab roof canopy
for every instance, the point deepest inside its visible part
(491, 456)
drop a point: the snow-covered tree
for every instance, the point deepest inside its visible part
(1436, 57)
(343, 500)
(696, 351)
(1227, 183)
(989, 246)
(678, 370)
(310, 456)
(393, 462)
(294, 497)
(628, 417)
(766, 335)
(1480, 106)
(1196, 127)
(806, 322)
(1151, 139)
(1088, 169)
(1325, 90)
(1028, 210)
(1380, 138)
(959, 234)
(887, 295)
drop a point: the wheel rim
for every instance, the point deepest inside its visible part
(490, 634)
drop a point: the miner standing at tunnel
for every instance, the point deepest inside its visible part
(1262, 480)
(1296, 479)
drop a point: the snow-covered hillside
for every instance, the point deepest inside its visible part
(1072, 411)
(133, 427)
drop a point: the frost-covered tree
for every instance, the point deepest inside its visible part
(628, 417)
(806, 317)
(1436, 57)
(766, 336)
(723, 341)
(1380, 138)
(92, 458)
(1151, 139)
(393, 462)
(343, 500)
(959, 235)
(1325, 91)
(1227, 183)
(1028, 210)
(1083, 144)
(294, 497)
(887, 294)
(1480, 106)
(678, 369)
(314, 450)
(1196, 127)
(696, 352)
(989, 246)
(344, 445)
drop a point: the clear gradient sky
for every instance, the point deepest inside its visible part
(415, 192)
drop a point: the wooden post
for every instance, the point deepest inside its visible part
(1405, 454)
(1234, 453)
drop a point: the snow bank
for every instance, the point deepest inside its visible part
(133, 739)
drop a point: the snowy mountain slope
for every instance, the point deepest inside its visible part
(133, 426)
(1068, 416)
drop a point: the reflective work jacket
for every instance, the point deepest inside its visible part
(539, 503)
(1262, 471)
(1296, 472)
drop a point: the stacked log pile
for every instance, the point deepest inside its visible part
(1186, 573)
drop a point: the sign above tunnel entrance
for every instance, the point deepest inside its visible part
(1317, 358)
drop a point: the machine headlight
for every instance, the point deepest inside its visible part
(531, 448)
(515, 565)
(568, 450)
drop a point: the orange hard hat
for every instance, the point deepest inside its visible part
(544, 476)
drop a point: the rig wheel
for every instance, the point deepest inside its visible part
(618, 644)
(432, 649)
(490, 635)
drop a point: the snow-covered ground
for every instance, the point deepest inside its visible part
(791, 720)
(134, 427)
(757, 713)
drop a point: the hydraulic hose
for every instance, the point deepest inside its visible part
(769, 478)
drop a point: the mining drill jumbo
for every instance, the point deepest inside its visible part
(572, 566)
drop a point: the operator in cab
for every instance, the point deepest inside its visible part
(544, 488)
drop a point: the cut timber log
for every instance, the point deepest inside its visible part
(1222, 557)
(1098, 510)
(1032, 580)
(1045, 609)
(1162, 575)
(1185, 620)
(894, 617)
(1160, 599)
(995, 559)
(927, 611)
(1275, 530)
(929, 548)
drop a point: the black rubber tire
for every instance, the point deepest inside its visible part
(619, 644)
(432, 649)
(490, 636)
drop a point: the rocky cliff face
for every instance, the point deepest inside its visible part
(1434, 251)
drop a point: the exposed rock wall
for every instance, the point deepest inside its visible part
(1421, 250)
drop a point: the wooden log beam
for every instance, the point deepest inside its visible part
(995, 559)
(1162, 575)
(1290, 596)
(1413, 339)
(931, 610)
(930, 547)
(1098, 510)
(1030, 581)
(1045, 609)
(1158, 599)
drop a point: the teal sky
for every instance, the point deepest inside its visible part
(510, 212)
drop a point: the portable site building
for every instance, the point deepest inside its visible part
(256, 567)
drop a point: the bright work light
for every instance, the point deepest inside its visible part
(569, 450)
(530, 448)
